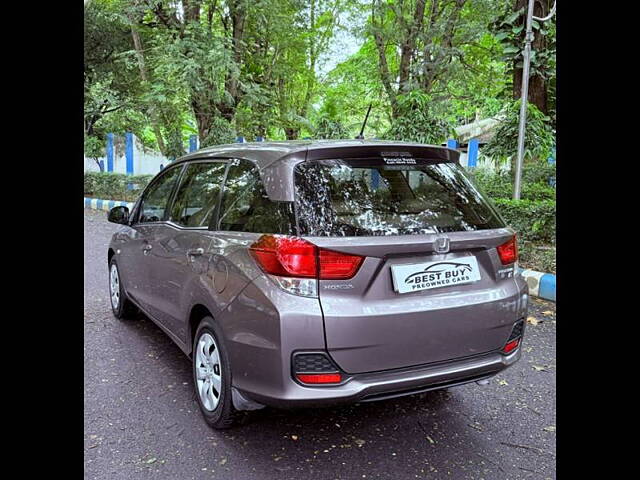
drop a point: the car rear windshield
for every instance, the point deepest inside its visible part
(373, 197)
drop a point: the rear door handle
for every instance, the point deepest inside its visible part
(193, 252)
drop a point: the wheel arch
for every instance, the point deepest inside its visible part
(196, 314)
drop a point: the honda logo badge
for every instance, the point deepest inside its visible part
(441, 245)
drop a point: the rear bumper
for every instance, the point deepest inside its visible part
(388, 384)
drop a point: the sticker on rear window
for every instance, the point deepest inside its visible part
(399, 161)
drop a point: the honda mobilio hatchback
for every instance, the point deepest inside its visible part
(311, 273)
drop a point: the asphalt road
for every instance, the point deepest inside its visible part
(141, 418)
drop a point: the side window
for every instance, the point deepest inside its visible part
(245, 206)
(198, 194)
(154, 202)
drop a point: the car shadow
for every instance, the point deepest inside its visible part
(413, 429)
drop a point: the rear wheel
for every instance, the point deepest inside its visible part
(120, 305)
(212, 375)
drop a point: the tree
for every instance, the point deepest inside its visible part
(94, 149)
(539, 137)
(109, 86)
(510, 30)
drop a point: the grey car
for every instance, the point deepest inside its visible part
(310, 273)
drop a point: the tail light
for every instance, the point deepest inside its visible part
(295, 257)
(508, 251)
(285, 256)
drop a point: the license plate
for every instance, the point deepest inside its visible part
(425, 276)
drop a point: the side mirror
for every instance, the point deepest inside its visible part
(119, 214)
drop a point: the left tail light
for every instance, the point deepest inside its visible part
(296, 263)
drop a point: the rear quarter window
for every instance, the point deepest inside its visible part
(246, 207)
(368, 197)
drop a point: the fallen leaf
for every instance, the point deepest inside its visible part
(538, 368)
(547, 312)
(223, 461)
(533, 321)
(294, 437)
(151, 460)
(360, 442)
(503, 382)
(550, 428)
(430, 440)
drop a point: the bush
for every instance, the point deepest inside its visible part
(537, 257)
(534, 220)
(113, 186)
(535, 182)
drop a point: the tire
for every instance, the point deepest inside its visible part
(214, 371)
(120, 305)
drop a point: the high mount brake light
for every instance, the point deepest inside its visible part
(508, 251)
(286, 256)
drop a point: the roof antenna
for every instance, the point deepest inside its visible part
(364, 124)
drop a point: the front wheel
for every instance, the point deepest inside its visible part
(212, 375)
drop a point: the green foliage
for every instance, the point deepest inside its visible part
(535, 181)
(509, 31)
(535, 221)
(329, 129)
(221, 132)
(537, 257)
(113, 186)
(417, 122)
(93, 147)
(539, 138)
(533, 217)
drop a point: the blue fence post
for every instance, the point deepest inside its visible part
(452, 143)
(375, 179)
(240, 139)
(472, 153)
(109, 152)
(128, 151)
(101, 165)
(259, 139)
(552, 160)
(193, 143)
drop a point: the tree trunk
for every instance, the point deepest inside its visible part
(409, 46)
(204, 113)
(292, 133)
(537, 84)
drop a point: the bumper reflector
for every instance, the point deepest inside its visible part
(316, 378)
(511, 346)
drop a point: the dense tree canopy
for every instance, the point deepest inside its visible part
(222, 68)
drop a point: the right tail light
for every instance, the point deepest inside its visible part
(508, 251)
